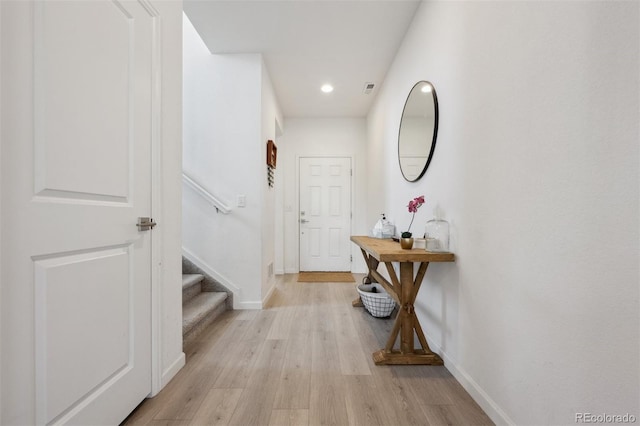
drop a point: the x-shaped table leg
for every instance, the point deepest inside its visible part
(406, 290)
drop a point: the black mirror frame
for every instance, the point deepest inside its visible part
(435, 130)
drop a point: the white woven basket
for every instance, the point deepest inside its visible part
(379, 304)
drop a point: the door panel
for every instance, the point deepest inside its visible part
(325, 214)
(76, 305)
(78, 82)
(73, 291)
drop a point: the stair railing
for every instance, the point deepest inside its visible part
(220, 206)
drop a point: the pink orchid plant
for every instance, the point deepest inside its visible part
(413, 207)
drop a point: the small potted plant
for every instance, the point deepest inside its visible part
(406, 241)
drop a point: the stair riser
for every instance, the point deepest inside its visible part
(191, 292)
(208, 283)
(196, 330)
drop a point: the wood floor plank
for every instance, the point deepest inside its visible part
(297, 417)
(327, 397)
(320, 306)
(295, 382)
(353, 358)
(268, 365)
(399, 402)
(260, 324)
(168, 423)
(327, 400)
(237, 364)
(425, 383)
(144, 413)
(302, 322)
(229, 332)
(365, 402)
(324, 353)
(467, 408)
(443, 415)
(247, 314)
(238, 355)
(282, 323)
(217, 407)
(188, 394)
(472, 414)
(256, 402)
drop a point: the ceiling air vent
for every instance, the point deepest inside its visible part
(368, 88)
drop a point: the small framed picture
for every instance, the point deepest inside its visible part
(272, 154)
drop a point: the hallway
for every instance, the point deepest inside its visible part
(304, 360)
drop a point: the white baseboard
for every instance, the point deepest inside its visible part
(490, 407)
(279, 272)
(173, 369)
(216, 276)
(248, 305)
(291, 270)
(266, 298)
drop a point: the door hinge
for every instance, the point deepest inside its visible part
(351, 258)
(351, 172)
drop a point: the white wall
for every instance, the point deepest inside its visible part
(329, 137)
(536, 168)
(229, 110)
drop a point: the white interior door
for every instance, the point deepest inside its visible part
(77, 79)
(325, 214)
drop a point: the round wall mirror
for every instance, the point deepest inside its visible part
(418, 131)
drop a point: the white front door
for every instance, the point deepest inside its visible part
(77, 104)
(325, 214)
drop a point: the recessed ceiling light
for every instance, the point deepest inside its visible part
(327, 88)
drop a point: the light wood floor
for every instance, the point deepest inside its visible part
(305, 360)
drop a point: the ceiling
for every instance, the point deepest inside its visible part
(307, 43)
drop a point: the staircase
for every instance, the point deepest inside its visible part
(203, 300)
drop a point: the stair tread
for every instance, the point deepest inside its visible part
(198, 307)
(189, 280)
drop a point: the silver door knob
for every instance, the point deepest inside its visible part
(145, 223)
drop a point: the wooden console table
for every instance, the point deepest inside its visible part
(404, 291)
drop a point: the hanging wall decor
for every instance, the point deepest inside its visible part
(272, 156)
